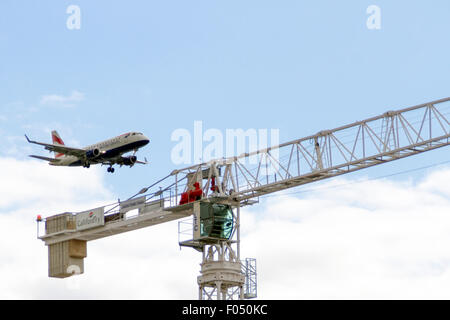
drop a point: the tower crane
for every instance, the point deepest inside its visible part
(210, 194)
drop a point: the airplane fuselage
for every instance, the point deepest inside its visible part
(108, 149)
(108, 152)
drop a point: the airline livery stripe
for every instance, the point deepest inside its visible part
(57, 139)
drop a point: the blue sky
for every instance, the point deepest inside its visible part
(157, 66)
(154, 67)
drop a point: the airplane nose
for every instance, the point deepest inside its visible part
(146, 140)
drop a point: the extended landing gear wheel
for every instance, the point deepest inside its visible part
(87, 165)
(110, 169)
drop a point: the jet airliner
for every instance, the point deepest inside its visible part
(108, 152)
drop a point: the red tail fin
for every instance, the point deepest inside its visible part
(57, 140)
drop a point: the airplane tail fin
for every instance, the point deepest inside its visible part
(58, 141)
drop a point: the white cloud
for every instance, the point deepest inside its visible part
(35, 185)
(62, 101)
(29, 188)
(141, 264)
(370, 240)
(375, 239)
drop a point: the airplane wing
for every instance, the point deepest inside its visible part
(127, 161)
(142, 162)
(80, 153)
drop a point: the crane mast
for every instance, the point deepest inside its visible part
(211, 193)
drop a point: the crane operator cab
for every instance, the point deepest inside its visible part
(212, 221)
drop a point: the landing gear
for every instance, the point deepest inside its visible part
(110, 169)
(87, 165)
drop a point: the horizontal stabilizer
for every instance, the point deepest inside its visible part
(43, 158)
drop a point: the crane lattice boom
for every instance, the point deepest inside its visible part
(390, 136)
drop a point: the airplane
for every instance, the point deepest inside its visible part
(108, 152)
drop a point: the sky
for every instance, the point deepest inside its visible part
(155, 67)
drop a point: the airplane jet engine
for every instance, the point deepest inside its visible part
(94, 153)
(130, 161)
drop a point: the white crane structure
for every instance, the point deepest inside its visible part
(211, 194)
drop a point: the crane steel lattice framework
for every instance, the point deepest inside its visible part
(238, 181)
